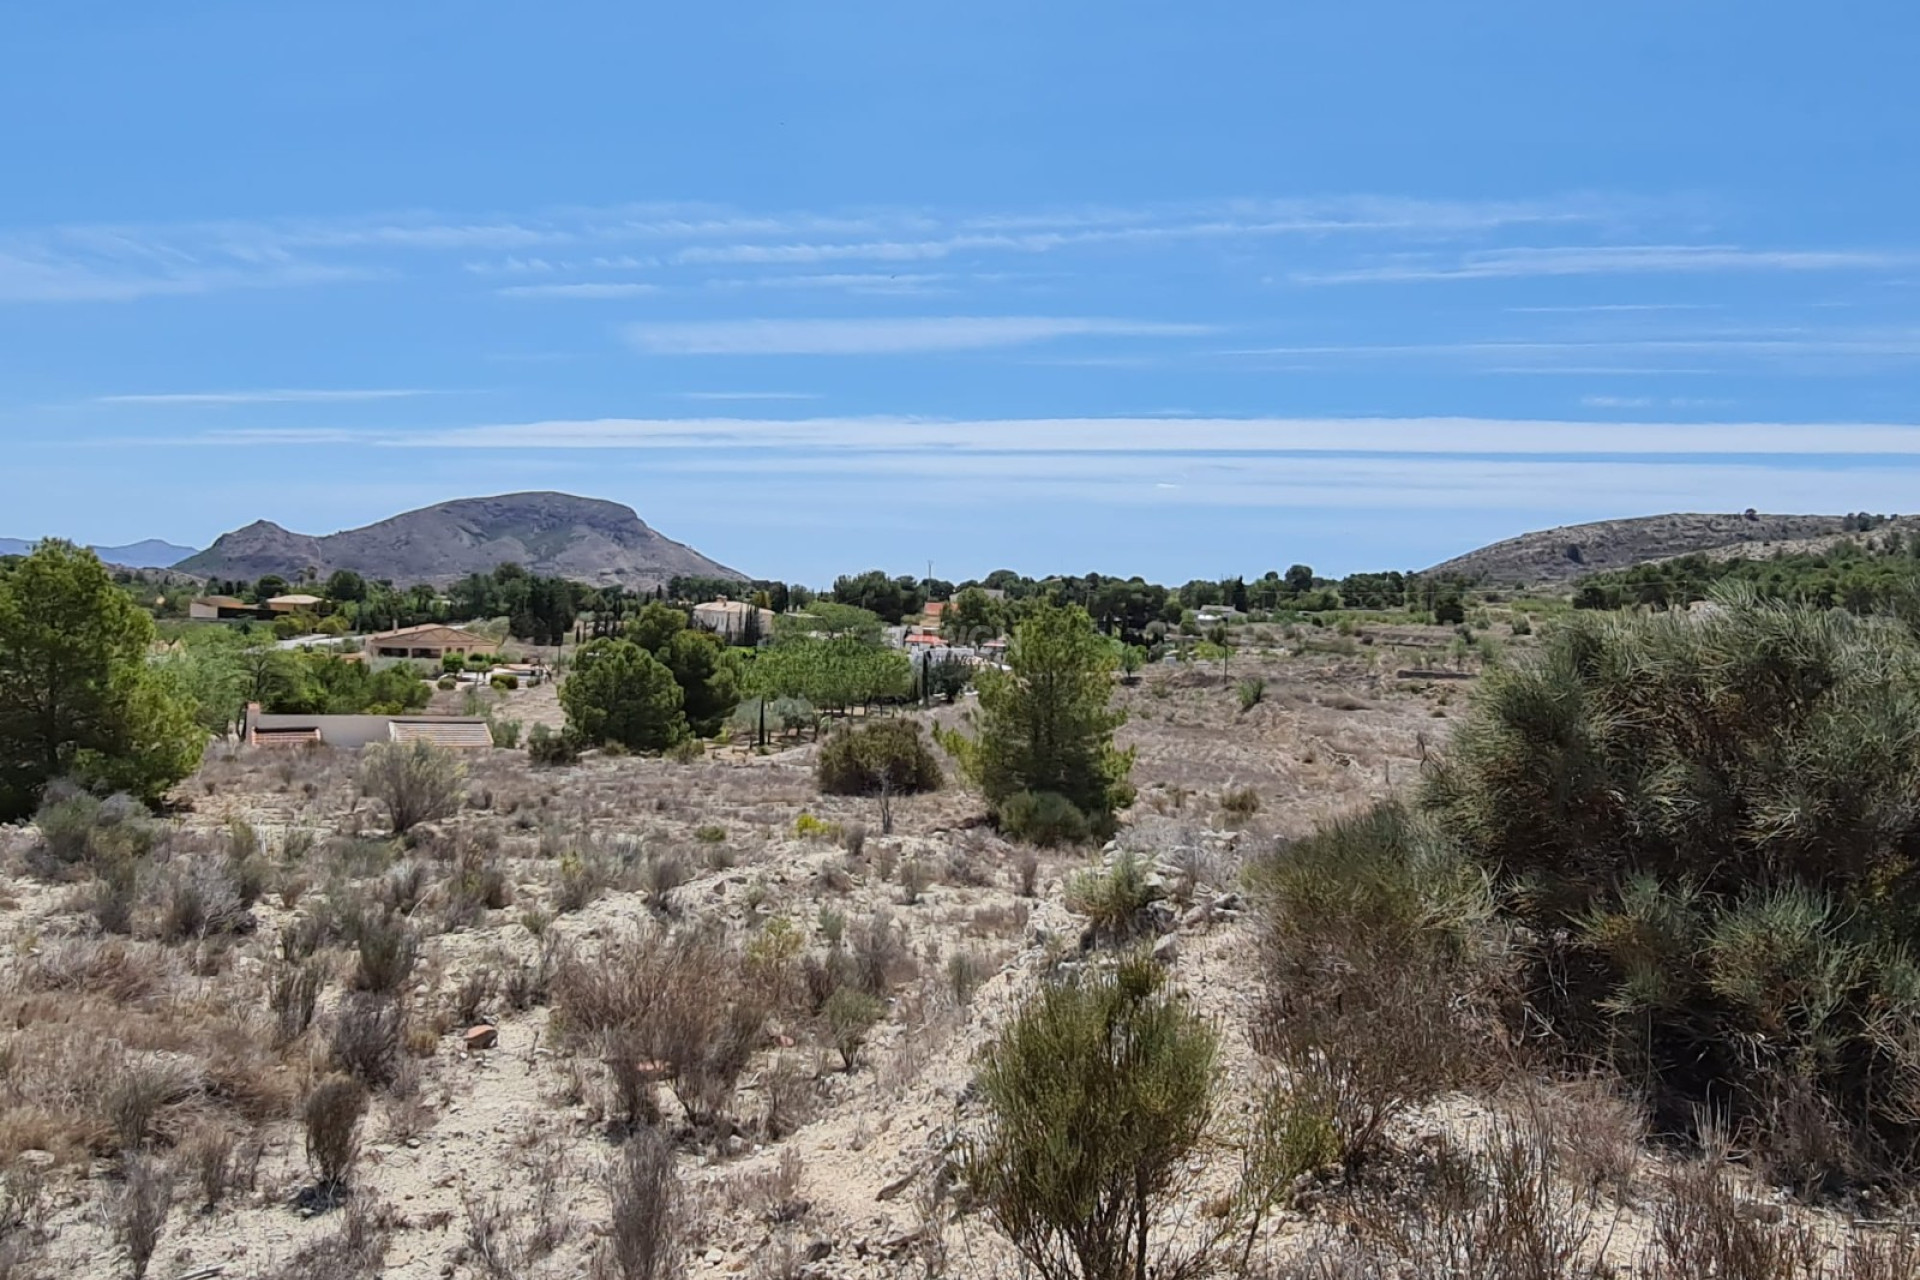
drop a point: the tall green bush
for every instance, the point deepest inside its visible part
(1709, 826)
(1097, 1093)
(892, 755)
(1046, 723)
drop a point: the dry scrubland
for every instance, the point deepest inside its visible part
(219, 1023)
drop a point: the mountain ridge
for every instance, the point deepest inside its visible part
(1560, 556)
(153, 553)
(556, 534)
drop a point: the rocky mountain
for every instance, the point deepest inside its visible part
(555, 534)
(1556, 557)
(151, 554)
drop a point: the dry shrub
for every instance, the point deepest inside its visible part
(646, 1237)
(137, 1088)
(1505, 1213)
(388, 949)
(293, 991)
(1598, 1132)
(357, 1251)
(332, 1116)
(1115, 898)
(682, 1001)
(881, 958)
(1026, 870)
(198, 897)
(366, 1036)
(140, 1207)
(478, 884)
(770, 1195)
(209, 1157)
(416, 782)
(1378, 969)
(123, 973)
(1703, 1231)
(789, 1095)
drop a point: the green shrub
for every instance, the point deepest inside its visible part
(1045, 818)
(892, 755)
(548, 749)
(506, 733)
(850, 1014)
(446, 684)
(505, 682)
(1252, 691)
(808, 827)
(1706, 825)
(1381, 963)
(1113, 898)
(1097, 1094)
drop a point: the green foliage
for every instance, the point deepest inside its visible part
(1381, 963)
(78, 697)
(1045, 818)
(1097, 1093)
(834, 673)
(808, 827)
(548, 749)
(1046, 724)
(1707, 825)
(620, 693)
(892, 599)
(708, 677)
(505, 733)
(1868, 576)
(1114, 898)
(972, 618)
(1252, 691)
(850, 1014)
(892, 755)
(323, 683)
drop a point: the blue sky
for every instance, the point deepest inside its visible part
(1180, 290)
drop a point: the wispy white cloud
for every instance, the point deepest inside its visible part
(588, 289)
(833, 439)
(882, 335)
(280, 396)
(748, 395)
(1582, 260)
(1836, 352)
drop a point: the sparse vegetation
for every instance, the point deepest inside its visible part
(415, 782)
(1096, 1094)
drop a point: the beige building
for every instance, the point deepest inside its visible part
(431, 641)
(728, 619)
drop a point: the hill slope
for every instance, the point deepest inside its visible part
(1556, 557)
(548, 533)
(151, 554)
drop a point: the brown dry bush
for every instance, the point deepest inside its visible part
(1505, 1213)
(681, 1000)
(365, 1037)
(356, 1251)
(139, 1209)
(415, 782)
(332, 1117)
(293, 991)
(646, 1237)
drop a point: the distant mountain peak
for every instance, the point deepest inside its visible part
(585, 539)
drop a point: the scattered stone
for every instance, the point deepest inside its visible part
(482, 1037)
(1167, 950)
(819, 1250)
(35, 1159)
(893, 1189)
